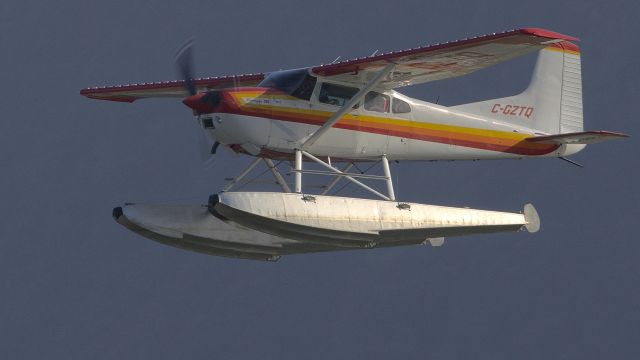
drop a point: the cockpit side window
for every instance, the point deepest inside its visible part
(297, 83)
(305, 89)
(400, 106)
(338, 95)
(375, 101)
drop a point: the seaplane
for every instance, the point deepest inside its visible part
(324, 120)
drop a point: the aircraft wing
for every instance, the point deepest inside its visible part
(133, 92)
(413, 66)
(442, 61)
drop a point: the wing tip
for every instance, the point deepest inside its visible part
(92, 94)
(548, 34)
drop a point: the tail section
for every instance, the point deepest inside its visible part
(581, 138)
(552, 103)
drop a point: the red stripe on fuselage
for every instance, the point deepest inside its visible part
(437, 136)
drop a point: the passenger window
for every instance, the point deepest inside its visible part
(374, 101)
(400, 107)
(336, 94)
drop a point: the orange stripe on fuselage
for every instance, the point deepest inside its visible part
(501, 141)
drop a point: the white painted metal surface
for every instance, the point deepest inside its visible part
(552, 104)
(361, 219)
(177, 220)
(194, 228)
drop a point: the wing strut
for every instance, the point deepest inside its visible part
(347, 107)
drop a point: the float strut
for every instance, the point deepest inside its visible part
(387, 175)
(277, 175)
(242, 174)
(298, 168)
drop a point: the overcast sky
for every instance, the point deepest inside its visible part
(75, 284)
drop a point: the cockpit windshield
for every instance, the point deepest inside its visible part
(296, 83)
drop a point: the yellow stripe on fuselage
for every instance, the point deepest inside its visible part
(393, 124)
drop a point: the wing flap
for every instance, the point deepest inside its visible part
(133, 92)
(586, 137)
(441, 61)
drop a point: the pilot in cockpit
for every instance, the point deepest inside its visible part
(376, 102)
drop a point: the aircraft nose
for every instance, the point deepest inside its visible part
(203, 103)
(193, 101)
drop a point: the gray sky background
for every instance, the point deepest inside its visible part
(74, 284)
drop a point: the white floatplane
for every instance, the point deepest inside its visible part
(349, 112)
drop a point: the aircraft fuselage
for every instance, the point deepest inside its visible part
(263, 121)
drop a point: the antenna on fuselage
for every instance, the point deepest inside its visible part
(336, 59)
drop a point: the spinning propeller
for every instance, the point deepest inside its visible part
(196, 101)
(184, 62)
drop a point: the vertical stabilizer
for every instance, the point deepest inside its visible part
(552, 103)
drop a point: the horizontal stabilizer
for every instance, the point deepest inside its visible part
(586, 137)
